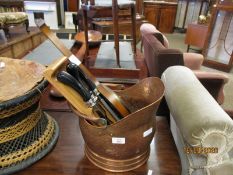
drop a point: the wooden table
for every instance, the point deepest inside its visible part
(196, 35)
(68, 158)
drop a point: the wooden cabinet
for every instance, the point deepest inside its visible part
(167, 19)
(161, 14)
(193, 31)
(151, 14)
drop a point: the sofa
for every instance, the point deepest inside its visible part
(202, 130)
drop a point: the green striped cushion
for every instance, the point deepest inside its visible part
(15, 17)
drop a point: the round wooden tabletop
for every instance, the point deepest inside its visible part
(93, 36)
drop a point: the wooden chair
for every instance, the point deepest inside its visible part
(115, 18)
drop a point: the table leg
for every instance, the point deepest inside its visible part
(85, 22)
(116, 30)
(133, 18)
(188, 47)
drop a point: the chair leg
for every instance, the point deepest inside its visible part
(141, 44)
(2, 35)
(27, 25)
(6, 31)
(188, 47)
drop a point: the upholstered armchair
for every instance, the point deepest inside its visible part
(202, 130)
(191, 60)
(158, 57)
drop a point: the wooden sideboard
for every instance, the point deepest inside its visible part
(161, 14)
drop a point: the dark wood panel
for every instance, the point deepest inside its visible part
(167, 19)
(73, 5)
(151, 14)
(139, 6)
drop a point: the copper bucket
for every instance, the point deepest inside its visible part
(125, 145)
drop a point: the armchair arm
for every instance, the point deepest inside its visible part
(157, 57)
(214, 82)
(193, 60)
(201, 121)
(167, 58)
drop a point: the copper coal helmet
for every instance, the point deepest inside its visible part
(125, 145)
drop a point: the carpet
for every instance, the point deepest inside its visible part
(106, 56)
(46, 52)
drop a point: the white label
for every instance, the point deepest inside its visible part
(2, 64)
(39, 22)
(147, 132)
(118, 140)
(150, 172)
(74, 60)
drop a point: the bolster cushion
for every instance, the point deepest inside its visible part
(201, 121)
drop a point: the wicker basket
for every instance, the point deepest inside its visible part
(26, 133)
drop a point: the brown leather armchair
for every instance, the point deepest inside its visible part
(159, 57)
